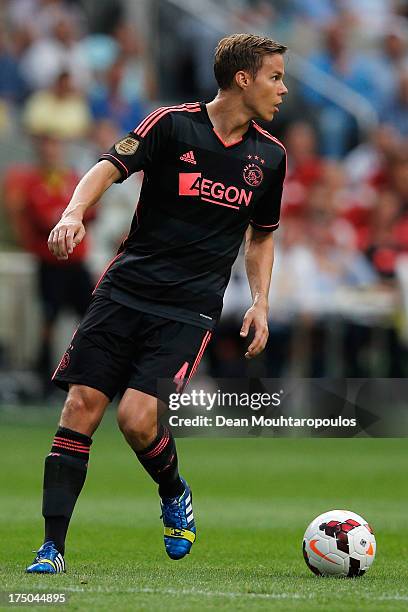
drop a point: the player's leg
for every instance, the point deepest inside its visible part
(172, 350)
(91, 370)
(65, 471)
(154, 445)
(67, 463)
(155, 448)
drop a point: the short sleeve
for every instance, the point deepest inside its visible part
(266, 213)
(142, 147)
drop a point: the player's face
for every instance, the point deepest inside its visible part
(264, 93)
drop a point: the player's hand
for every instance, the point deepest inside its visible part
(257, 318)
(65, 236)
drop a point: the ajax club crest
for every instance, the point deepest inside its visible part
(253, 175)
(64, 363)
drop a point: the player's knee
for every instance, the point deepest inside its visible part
(140, 424)
(75, 406)
(81, 407)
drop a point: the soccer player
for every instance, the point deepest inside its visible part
(211, 174)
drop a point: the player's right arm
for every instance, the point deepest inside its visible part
(138, 150)
(70, 230)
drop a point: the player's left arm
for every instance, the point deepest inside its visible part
(259, 253)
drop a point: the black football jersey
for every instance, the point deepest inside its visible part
(197, 199)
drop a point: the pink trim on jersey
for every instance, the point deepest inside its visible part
(223, 142)
(144, 127)
(200, 353)
(260, 225)
(149, 117)
(147, 129)
(268, 135)
(219, 203)
(112, 261)
(118, 160)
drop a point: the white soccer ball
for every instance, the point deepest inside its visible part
(339, 543)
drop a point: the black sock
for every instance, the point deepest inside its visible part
(159, 459)
(64, 476)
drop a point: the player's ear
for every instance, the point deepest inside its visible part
(242, 79)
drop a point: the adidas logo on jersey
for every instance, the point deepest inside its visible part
(188, 157)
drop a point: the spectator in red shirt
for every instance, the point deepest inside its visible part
(399, 178)
(386, 237)
(35, 196)
(304, 167)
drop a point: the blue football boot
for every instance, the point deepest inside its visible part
(47, 561)
(179, 526)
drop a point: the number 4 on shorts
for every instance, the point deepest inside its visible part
(180, 376)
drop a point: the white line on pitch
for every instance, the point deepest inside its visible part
(230, 594)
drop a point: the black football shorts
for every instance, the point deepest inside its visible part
(116, 347)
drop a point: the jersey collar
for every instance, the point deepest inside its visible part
(218, 137)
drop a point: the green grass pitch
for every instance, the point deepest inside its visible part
(253, 500)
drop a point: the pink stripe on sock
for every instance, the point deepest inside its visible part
(160, 446)
(70, 447)
(73, 442)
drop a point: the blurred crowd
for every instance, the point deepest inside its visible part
(75, 75)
